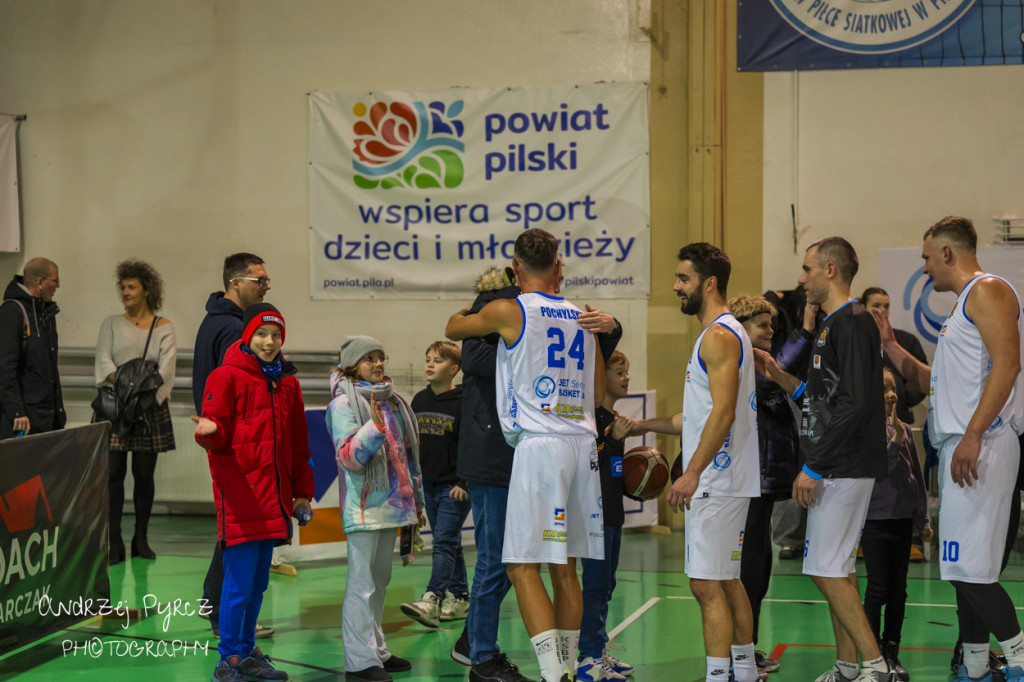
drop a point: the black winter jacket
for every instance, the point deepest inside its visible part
(29, 381)
(777, 435)
(221, 327)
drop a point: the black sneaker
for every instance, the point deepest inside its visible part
(460, 652)
(372, 674)
(765, 664)
(397, 664)
(227, 670)
(258, 667)
(497, 669)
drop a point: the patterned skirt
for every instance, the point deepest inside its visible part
(153, 434)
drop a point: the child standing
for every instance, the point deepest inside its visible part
(595, 663)
(898, 503)
(376, 444)
(254, 430)
(437, 409)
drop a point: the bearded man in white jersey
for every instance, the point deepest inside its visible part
(549, 380)
(721, 469)
(975, 414)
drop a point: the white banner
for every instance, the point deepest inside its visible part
(10, 213)
(413, 194)
(916, 307)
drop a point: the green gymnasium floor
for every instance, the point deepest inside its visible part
(654, 619)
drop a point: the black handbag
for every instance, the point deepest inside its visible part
(133, 393)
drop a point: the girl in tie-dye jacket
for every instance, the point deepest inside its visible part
(376, 443)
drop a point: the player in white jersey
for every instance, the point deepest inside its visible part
(975, 414)
(721, 469)
(550, 378)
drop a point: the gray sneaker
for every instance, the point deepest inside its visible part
(258, 667)
(426, 611)
(876, 676)
(455, 608)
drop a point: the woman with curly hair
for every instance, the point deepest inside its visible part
(122, 338)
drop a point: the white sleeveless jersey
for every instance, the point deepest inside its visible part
(735, 470)
(959, 372)
(545, 381)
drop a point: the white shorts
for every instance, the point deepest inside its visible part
(714, 537)
(834, 524)
(973, 520)
(554, 501)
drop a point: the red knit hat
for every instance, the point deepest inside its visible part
(260, 314)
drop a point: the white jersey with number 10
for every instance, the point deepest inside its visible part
(545, 380)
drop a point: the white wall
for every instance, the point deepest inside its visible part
(879, 155)
(175, 131)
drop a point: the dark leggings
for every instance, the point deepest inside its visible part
(756, 563)
(143, 467)
(886, 545)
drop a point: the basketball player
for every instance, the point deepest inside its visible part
(843, 441)
(720, 460)
(549, 379)
(975, 413)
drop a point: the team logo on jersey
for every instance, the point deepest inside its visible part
(722, 461)
(559, 516)
(753, 400)
(821, 337)
(543, 386)
(996, 424)
(817, 362)
(545, 407)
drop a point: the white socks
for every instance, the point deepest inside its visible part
(718, 669)
(1013, 649)
(744, 667)
(545, 645)
(850, 671)
(976, 659)
(568, 643)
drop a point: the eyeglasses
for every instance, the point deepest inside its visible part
(374, 359)
(260, 281)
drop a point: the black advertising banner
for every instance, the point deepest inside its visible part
(53, 532)
(787, 35)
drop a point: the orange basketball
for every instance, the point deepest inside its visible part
(644, 473)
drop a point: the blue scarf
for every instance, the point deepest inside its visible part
(272, 369)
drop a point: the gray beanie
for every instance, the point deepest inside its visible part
(354, 348)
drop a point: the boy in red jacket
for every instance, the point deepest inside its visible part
(254, 430)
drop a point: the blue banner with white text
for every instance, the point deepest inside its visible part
(790, 35)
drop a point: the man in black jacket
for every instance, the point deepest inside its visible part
(843, 442)
(245, 283)
(30, 393)
(485, 462)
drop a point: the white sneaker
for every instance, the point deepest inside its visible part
(834, 675)
(876, 676)
(589, 669)
(426, 611)
(621, 667)
(455, 608)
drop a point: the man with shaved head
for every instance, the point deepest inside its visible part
(30, 395)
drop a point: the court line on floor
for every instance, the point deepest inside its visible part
(633, 616)
(822, 601)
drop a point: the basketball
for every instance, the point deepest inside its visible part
(644, 473)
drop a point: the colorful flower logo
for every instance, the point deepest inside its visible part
(408, 145)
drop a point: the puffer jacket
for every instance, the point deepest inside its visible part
(29, 382)
(364, 508)
(259, 455)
